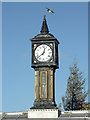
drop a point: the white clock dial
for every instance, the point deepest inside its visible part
(43, 53)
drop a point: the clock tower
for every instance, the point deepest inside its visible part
(44, 62)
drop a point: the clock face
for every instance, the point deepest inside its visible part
(43, 53)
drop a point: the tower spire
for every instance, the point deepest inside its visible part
(44, 29)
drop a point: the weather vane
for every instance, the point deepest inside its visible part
(50, 11)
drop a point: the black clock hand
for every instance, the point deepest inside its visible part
(44, 50)
(42, 53)
(39, 55)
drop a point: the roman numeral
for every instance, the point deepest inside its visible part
(48, 49)
(48, 55)
(50, 52)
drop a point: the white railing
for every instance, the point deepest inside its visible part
(76, 112)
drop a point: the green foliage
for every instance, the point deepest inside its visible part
(75, 92)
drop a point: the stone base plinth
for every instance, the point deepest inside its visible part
(43, 113)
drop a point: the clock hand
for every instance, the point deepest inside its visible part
(44, 50)
(39, 56)
(42, 53)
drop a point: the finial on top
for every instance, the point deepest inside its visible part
(44, 17)
(44, 29)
